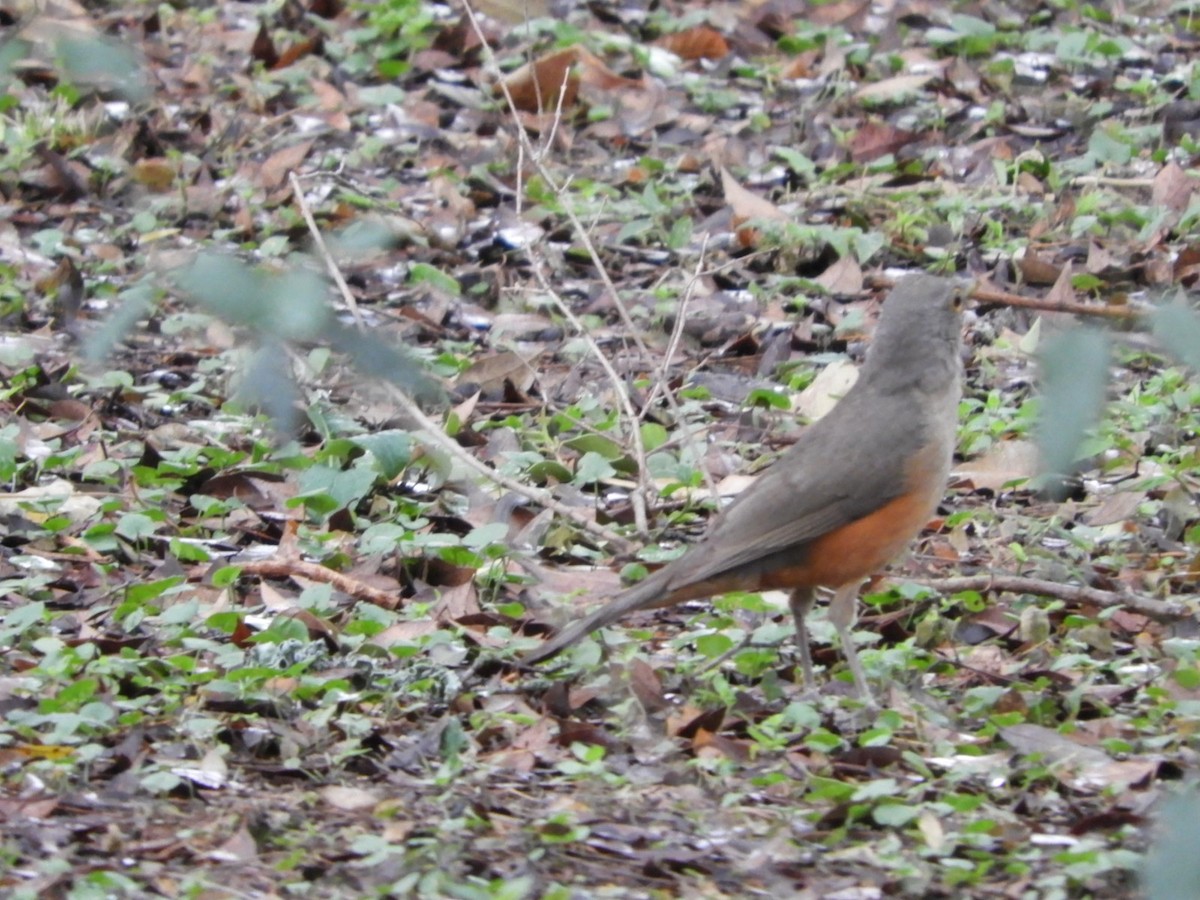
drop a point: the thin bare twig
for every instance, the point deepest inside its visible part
(438, 434)
(662, 377)
(629, 413)
(319, 240)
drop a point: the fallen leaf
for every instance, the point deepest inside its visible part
(894, 89)
(1036, 270)
(701, 42)
(843, 277)
(348, 798)
(1004, 463)
(281, 163)
(826, 390)
(544, 84)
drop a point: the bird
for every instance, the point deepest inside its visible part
(846, 498)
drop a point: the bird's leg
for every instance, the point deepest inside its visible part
(843, 611)
(801, 602)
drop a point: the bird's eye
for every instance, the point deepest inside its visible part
(958, 299)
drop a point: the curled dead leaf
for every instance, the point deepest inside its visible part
(544, 84)
(701, 42)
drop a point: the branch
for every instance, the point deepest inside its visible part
(1004, 298)
(286, 568)
(1159, 610)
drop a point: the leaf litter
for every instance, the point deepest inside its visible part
(251, 660)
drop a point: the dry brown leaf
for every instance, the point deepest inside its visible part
(1078, 764)
(491, 372)
(843, 277)
(403, 633)
(263, 49)
(701, 42)
(1006, 462)
(875, 139)
(297, 51)
(1157, 270)
(463, 411)
(456, 602)
(239, 848)
(831, 385)
(894, 89)
(348, 798)
(1187, 265)
(647, 687)
(1115, 508)
(593, 73)
(538, 86)
(1036, 270)
(1062, 292)
(1099, 259)
(803, 65)
(512, 759)
(709, 745)
(154, 173)
(1172, 188)
(514, 12)
(965, 79)
(1028, 185)
(747, 205)
(835, 13)
(280, 164)
(585, 581)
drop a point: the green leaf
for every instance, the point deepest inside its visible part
(226, 575)
(713, 645)
(144, 593)
(392, 450)
(653, 436)
(135, 526)
(681, 233)
(593, 467)
(182, 613)
(485, 535)
(25, 616)
(634, 229)
(768, 399)
(894, 815)
(423, 273)
(804, 167)
(287, 306)
(1187, 677)
(76, 693)
(186, 552)
(598, 444)
(226, 622)
(873, 790)
(282, 629)
(549, 470)
(1110, 145)
(345, 488)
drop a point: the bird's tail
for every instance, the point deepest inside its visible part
(651, 591)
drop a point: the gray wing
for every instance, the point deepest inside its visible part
(820, 484)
